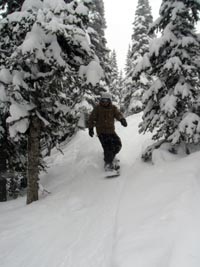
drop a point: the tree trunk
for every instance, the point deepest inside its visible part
(33, 159)
(3, 169)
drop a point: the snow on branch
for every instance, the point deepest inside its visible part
(173, 63)
(30, 4)
(5, 76)
(3, 97)
(92, 72)
(189, 127)
(142, 65)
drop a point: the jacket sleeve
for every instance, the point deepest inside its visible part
(118, 114)
(92, 118)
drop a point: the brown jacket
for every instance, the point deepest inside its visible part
(103, 118)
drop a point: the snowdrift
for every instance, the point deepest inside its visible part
(149, 216)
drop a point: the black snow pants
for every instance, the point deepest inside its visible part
(111, 144)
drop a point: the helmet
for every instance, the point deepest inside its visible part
(106, 96)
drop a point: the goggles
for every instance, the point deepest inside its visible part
(105, 100)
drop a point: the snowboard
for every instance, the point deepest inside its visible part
(112, 173)
(115, 172)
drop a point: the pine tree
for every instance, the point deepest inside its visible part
(139, 46)
(96, 29)
(97, 26)
(172, 102)
(120, 88)
(10, 6)
(3, 129)
(128, 66)
(114, 80)
(44, 48)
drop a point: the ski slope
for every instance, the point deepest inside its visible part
(149, 216)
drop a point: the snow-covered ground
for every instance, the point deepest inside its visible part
(147, 217)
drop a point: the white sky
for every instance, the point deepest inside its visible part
(119, 18)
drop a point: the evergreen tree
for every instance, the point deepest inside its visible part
(128, 66)
(139, 46)
(10, 6)
(172, 102)
(3, 130)
(44, 48)
(114, 80)
(120, 88)
(96, 29)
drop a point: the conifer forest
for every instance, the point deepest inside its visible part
(55, 63)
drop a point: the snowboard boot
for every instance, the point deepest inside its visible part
(108, 167)
(116, 165)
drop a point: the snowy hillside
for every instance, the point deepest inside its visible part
(147, 217)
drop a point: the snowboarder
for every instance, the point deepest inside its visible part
(103, 117)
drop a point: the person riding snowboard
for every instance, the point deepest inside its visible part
(103, 117)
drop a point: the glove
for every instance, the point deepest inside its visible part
(123, 122)
(91, 132)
